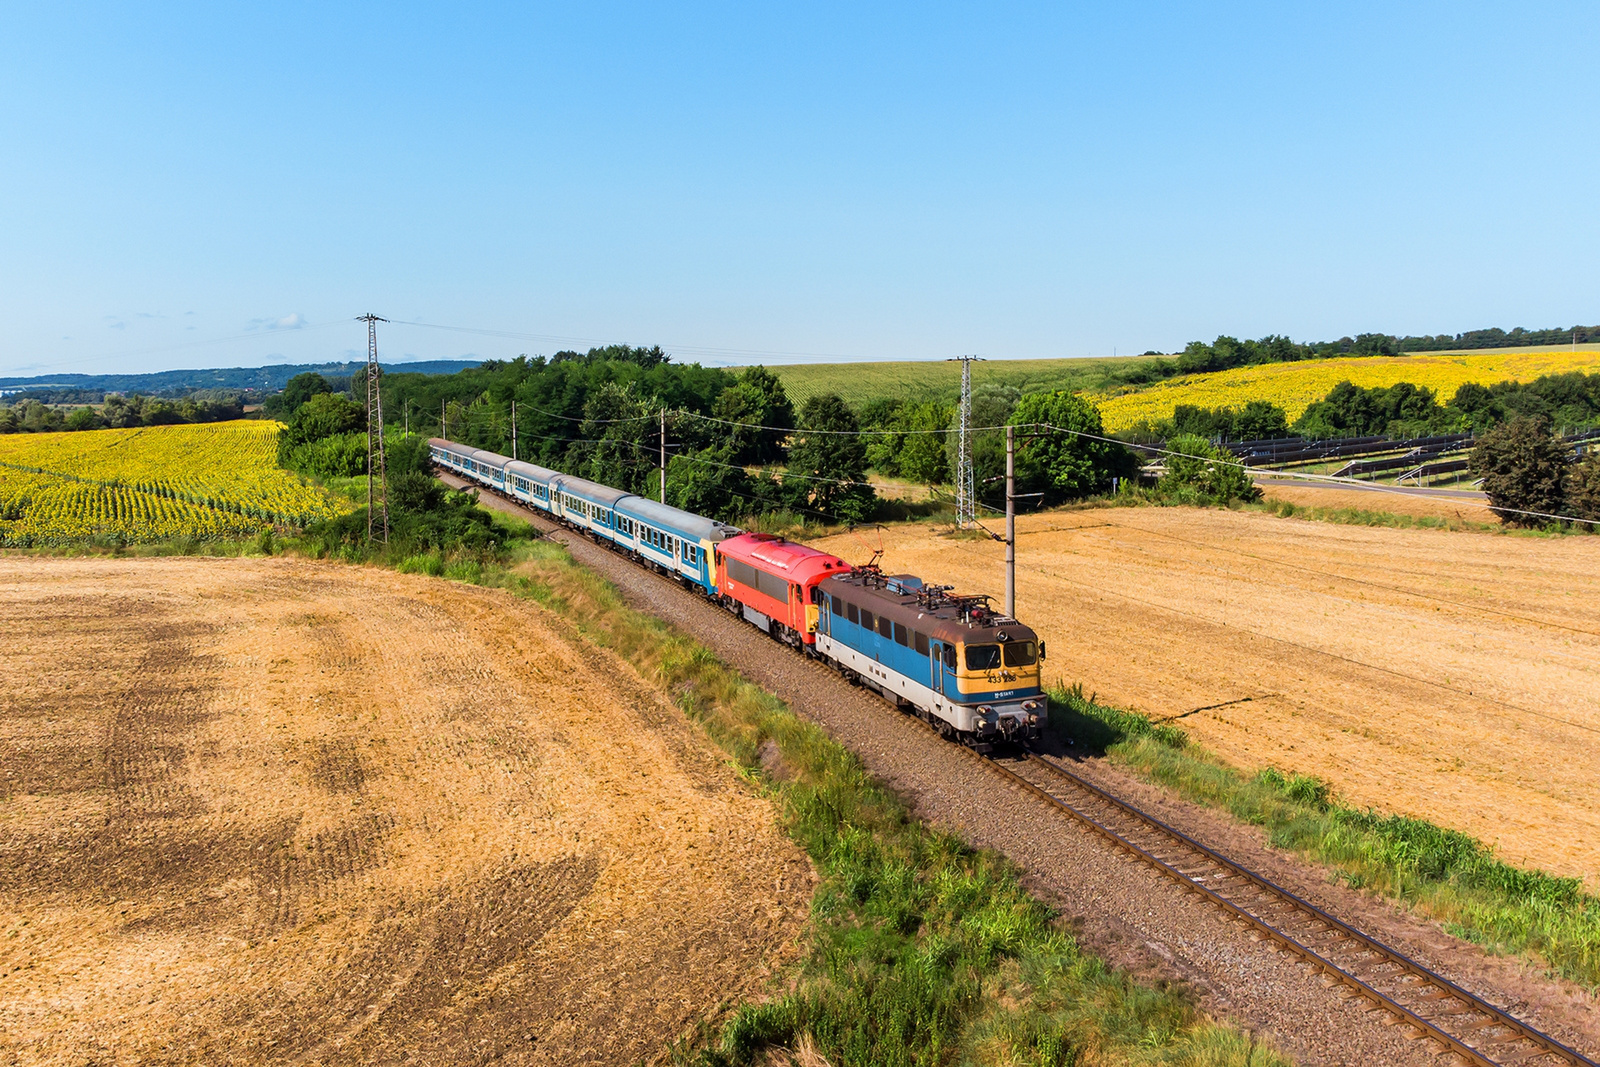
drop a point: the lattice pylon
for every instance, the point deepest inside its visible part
(377, 496)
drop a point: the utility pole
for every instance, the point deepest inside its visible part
(375, 429)
(513, 427)
(408, 418)
(966, 497)
(663, 455)
(1011, 521)
(443, 405)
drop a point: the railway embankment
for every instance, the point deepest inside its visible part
(1123, 910)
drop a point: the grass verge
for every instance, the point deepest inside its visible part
(920, 949)
(1439, 873)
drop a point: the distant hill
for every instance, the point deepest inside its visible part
(179, 382)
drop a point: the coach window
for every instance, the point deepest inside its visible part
(901, 635)
(983, 657)
(919, 641)
(866, 619)
(852, 614)
(1020, 654)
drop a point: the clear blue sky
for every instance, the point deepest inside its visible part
(866, 181)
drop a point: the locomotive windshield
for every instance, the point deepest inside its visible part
(983, 657)
(1021, 654)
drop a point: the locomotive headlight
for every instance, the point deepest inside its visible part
(1030, 705)
(984, 709)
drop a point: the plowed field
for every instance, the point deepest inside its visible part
(1453, 676)
(274, 811)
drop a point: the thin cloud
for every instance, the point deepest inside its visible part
(295, 321)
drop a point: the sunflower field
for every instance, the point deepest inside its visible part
(208, 481)
(1296, 386)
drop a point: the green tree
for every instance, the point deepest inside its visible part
(923, 456)
(1211, 473)
(710, 483)
(325, 415)
(1583, 487)
(828, 459)
(298, 390)
(84, 418)
(1062, 454)
(762, 413)
(620, 445)
(1524, 469)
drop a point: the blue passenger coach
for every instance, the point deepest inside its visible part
(674, 540)
(530, 483)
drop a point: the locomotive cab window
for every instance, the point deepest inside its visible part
(885, 628)
(902, 636)
(950, 656)
(983, 657)
(852, 614)
(866, 619)
(1020, 654)
(919, 641)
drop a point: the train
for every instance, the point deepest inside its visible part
(968, 670)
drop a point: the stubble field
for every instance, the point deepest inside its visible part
(1452, 676)
(273, 811)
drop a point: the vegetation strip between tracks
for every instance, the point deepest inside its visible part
(1543, 1042)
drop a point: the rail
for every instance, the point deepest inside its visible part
(1390, 979)
(1460, 1021)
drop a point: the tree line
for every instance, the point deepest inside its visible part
(1227, 353)
(1568, 402)
(117, 412)
(736, 444)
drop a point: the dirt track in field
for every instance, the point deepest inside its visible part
(1462, 507)
(1449, 675)
(288, 812)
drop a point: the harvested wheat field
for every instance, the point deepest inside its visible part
(1449, 675)
(275, 811)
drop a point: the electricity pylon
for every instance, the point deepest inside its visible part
(375, 460)
(966, 497)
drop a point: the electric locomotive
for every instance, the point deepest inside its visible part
(965, 668)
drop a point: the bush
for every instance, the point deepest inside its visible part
(340, 456)
(1524, 469)
(1583, 487)
(1209, 472)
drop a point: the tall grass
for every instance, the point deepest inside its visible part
(1440, 873)
(920, 949)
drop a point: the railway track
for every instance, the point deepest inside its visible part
(1436, 1008)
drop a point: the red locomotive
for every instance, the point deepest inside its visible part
(773, 583)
